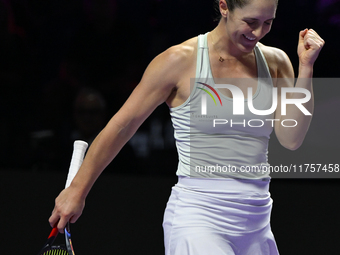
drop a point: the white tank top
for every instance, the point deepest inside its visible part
(216, 143)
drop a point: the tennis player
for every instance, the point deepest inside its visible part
(212, 212)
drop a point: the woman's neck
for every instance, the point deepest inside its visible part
(224, 45)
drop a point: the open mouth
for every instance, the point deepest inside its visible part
(249, 38)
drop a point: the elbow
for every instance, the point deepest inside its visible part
(291, 145)
(290, 140)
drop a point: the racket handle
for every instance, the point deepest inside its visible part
(79, 148)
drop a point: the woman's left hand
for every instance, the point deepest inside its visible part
(309, 47)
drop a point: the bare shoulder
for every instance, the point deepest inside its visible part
(278, 61)
(273, 55)
(186, 49)
(180, 56)
(169, 67)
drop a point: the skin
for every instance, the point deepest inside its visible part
(159, 85)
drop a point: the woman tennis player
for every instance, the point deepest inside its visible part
(211, 212)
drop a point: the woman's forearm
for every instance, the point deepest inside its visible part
(102, 151)
(294, 136)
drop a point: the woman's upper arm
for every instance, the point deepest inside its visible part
(158, 82)
(285, 78)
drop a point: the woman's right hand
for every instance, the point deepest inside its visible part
(69, 206)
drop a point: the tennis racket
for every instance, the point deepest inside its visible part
(79, 148)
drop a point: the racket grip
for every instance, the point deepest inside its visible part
(79, 149)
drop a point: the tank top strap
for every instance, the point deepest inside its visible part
(262, 66)
(202, 63)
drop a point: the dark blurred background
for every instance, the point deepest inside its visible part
(67, 66)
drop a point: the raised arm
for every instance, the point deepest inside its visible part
(158, 83)
(309, 47)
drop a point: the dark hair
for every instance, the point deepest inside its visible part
(232, 5)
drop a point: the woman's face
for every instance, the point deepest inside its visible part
(247, 25)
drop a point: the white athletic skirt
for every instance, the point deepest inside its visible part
(219, 217)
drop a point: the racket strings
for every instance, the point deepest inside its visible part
(56, 251)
